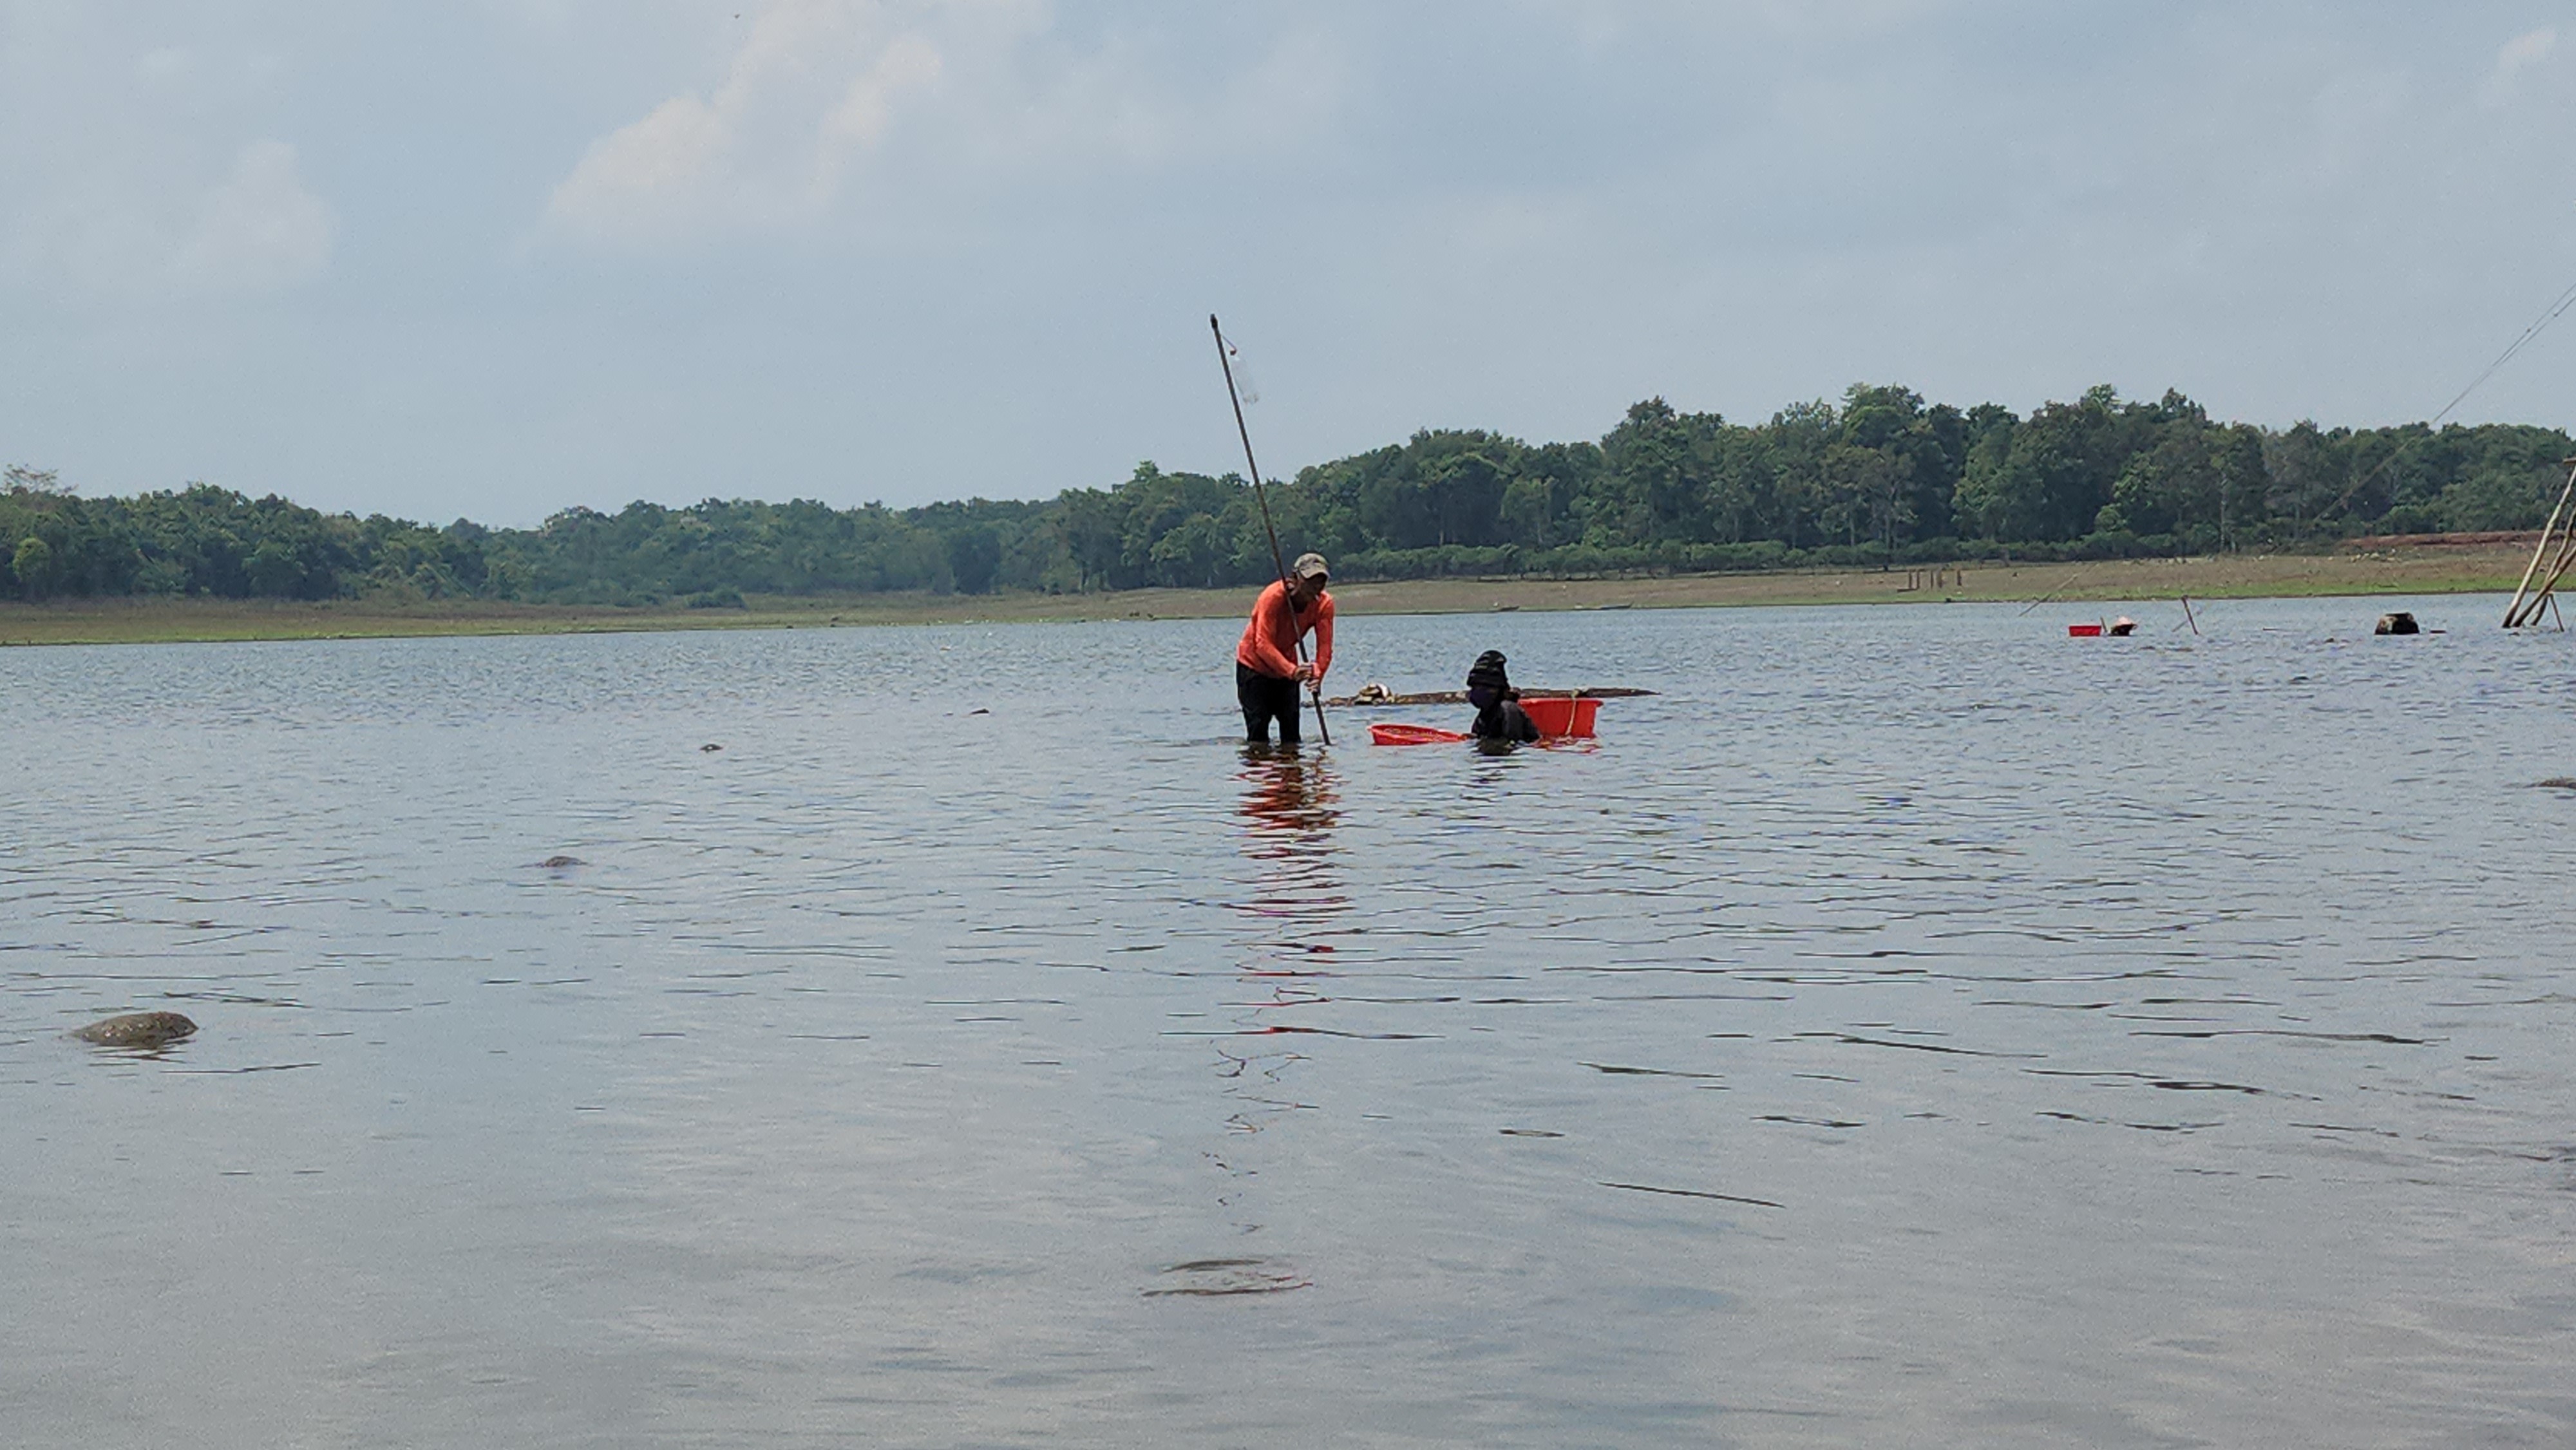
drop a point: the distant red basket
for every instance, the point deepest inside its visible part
(1558, 715)
(2084, 631)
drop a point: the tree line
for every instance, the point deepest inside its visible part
(1880, 477)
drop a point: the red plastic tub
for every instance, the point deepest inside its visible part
(2084, 631)
(1558, 715)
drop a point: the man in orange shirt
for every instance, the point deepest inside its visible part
(1267, 671)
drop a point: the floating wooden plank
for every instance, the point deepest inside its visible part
(1459, 697)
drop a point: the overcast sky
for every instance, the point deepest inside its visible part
(494, 258)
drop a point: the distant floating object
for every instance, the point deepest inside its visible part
(2083, 631)
(137, 1029)
(2124, 626)
(561, 863)
(709, 748)
(2399, 622)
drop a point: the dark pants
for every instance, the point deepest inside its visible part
(1264, 697)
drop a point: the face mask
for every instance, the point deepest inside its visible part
(1484, 697)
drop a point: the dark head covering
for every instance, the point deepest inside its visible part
(1487, 673)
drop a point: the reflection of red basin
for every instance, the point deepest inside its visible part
(1413, 735)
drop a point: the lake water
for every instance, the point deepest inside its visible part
(1909, 1027)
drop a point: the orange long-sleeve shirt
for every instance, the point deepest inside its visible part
(1270, 640)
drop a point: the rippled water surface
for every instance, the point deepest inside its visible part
(1911, 1026)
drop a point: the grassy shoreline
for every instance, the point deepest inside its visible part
(2485, 565)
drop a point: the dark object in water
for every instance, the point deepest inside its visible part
(1459, 697)
(1225, 1278)
(2398, 623)
(2123, 627)
(2557, 782)
(709, 748)
(137, 1029)
(561, 863)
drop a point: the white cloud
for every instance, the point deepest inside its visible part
(830, 109)
(164, 65)
(258, 230)
(815, 84)
(2516, 56)
(141, 160)
(144, 229)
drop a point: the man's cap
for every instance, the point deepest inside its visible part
(1487, 672)
(1312, 566)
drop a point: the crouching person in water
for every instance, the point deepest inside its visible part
(1498, 712)
(1267, 672)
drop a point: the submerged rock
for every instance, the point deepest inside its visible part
(137, 1029)
(2398, 623)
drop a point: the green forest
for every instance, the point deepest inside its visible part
(1879, 478)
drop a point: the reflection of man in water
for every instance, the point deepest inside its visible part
(1266, 669)
(1287, 797)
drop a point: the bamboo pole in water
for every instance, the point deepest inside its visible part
(2515, 614)
(2547, 593)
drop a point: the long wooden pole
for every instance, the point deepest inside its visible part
(1287, 591)
(2514, 613)
(2547, 592)
(2051, 594)
(2527, 610)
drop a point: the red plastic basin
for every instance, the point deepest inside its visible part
(1558, 715)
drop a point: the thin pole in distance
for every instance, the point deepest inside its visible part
(1278, 560)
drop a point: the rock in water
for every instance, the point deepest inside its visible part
(2398, 623)
(137, 1029)
(560, 863)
